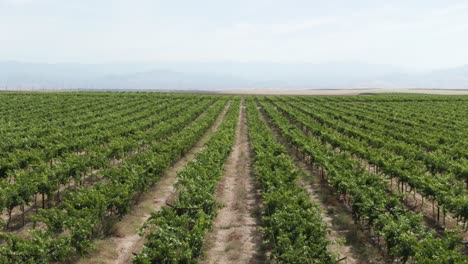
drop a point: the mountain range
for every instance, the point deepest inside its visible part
(224, 75)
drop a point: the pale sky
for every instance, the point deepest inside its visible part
(417, 34)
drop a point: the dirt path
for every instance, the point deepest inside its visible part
(236, 237)
(124, 240)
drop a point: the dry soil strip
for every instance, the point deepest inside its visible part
(124, 241)
(236, 237)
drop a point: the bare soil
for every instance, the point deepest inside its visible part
(236, 237)
(124, 241)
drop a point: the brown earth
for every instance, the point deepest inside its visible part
(236, 237)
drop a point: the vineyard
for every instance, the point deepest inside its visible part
(180, 178)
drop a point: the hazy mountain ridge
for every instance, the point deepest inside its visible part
(454, 78)
(218, 76)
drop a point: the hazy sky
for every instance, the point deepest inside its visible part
(417, 34)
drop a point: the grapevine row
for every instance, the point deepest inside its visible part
(293, 224)
(82, 215)
(176, 234)
(404, 235)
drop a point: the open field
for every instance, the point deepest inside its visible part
(267, 91)
(101, 177)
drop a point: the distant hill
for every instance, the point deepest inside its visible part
(111, 76)
(223, 75)
(455, 78)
